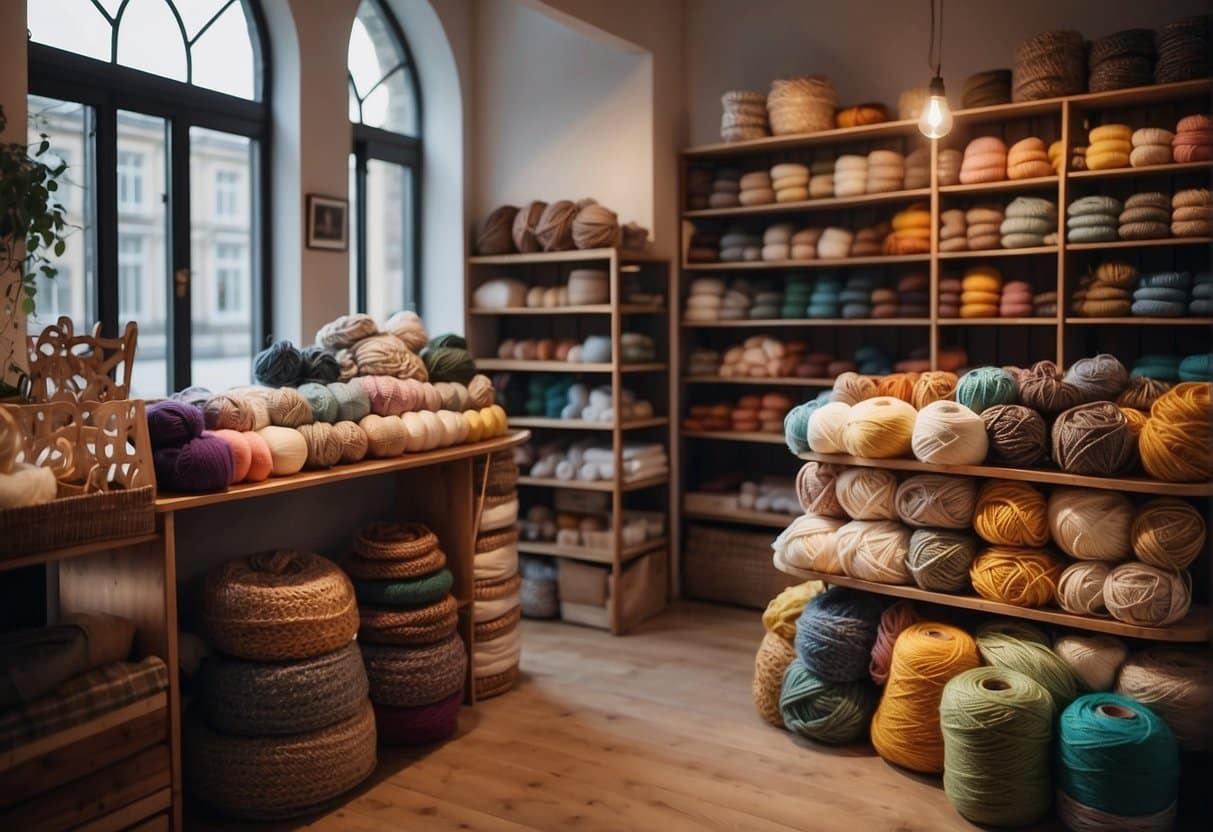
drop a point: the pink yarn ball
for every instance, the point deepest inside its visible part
(242, 454)
(385, 394)
(413, 392)
(892, 621)
(261, 461)
(431, 398)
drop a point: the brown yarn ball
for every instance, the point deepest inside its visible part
(897, 385)
(1042, 388)
(771, 662)
(815, 488)
(353, 439)
(525, 223)
(555, 229)
(1017, 435)
(496, 233)
(1098, 378)
(852, 388)
(323, 445)
(934, 386)
(1142, 392)
(1093, 439)
(596, 226)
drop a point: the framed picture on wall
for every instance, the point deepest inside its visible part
(328, 223)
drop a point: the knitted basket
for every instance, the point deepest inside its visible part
(372, 569)
(423, 625)
(489, 630)
(503, 474)
(271, 778)
(279, 605)
(417, 592)
(774, 656)
(395, 541)
(489, 541)
(256, 699)
(492, 590)
(424, 725)
(408, 677)
(489, 686)
(499, 511)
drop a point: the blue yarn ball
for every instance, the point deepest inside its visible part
(323, 403)
(796, 426)
(986, 387)
(835, 634)
(1197, 367)
(278, 365)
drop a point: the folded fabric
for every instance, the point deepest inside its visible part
(33, 662)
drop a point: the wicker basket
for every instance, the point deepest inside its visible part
(733, 567)
(422, 625)
(490, 686)
(408, 677)
(71, 521)
(499, 626)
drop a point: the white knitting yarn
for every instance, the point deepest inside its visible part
(1091, 524)
(948, 433)
(809, 542)
(824, 433)
(1080, 588)
(866, 493)
(875, 550)
(1095, 659)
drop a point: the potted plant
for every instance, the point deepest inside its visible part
(32, 226)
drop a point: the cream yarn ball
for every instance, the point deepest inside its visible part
(866, 493)
(1080, 588)
(1137, 593)
(948, 433)
(809, 542)
(936, 501)
(288, 449)
(824, 433)
(875, 550)
(879, 428)
(1095, 659)
(1090, 524)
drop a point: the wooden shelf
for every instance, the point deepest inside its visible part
(626, 554)
(593, 485)
(1029, 251)
(1150, 94)
(1049, 321)
(582, 424)
(1008, 112)
(841, 135)
(92, 547)
(828, 263)
(564, 366)
(719, 507)
(1137, 485)
(1172, 169)
(339, 473)
(1160, 242)
(574, 256)
(807, 205)
(591, 309)
(785, 381)
(1194, 627)
(773, 322)
(1142, 321)
(759, 437)
(1035, 183)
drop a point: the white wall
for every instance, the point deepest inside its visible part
(874, 50)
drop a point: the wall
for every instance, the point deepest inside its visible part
(874, 50)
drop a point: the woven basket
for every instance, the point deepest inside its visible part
(408, 677)
(425, 725)
(733, 567)
(772, 660)
(279, 605)
(503, 475)
(395, 541)
(271, 778)
(492, 590)
(415, 592)
(489, 686)
(372, 569)
(497, 627)
(256, 699)
(489, 541)
(71, 521)
(423, 625)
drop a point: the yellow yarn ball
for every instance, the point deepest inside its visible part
(879, 428)
(475, 425)
(783, 610)
(1010, 513)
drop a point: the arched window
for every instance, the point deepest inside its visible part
(385, 165)
(159, 108)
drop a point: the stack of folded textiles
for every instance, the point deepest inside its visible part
(1028, 159)
(918, 169)
(886, 171)
(699, 188)
(1202, 295)
(1016, 300)
(868, 241)
(755, 188)
(777, 241)
(1192, 139)
(856, 296)
(738, 244)
(751, 413)
(1044, 304)
(950, 289)
(911, 231)
(982, 226)
(1151, 146)
(1162, 294)
(884, 302)
(953, 233)
(703, 362)
(767, 301)
(496, 607)
(1093, 219)
(825, 299)
(981, 291)
(1105, 292)
(1108, 147)
(704, 247)
(821, 179)
(850, 175)
(796, 292)
(804, 244)
(1190, 213)
(947, 166)
(726, 188)
(1030, 221)
(790, 182)
(1146, 216)
(985, 160)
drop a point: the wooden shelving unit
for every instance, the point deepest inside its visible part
(650, 380)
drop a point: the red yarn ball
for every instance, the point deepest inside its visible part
(418, 726)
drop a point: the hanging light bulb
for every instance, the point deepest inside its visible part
(935, 120)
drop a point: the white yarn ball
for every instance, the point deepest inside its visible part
(1095, 659)
(809, 542)
(288, 449)
(936, 501)
(948, 433)
(415, 433)
(1080, 588)
(866, 493)
(825, 428)
(1090, 524)
(875, 550)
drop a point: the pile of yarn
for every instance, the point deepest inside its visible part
(755, 188)
(1049, 65)
(1183, 50)
(776, 651)
(1105, 292)
(1173, 294)
(1146, 216)
(725, 190)
(1108, 146)
(1190, 213)
(407, 617)
(588, 461)
(821, 179)
(1191, 142)
(980, 292)
(985, 160)
(986, 89)
(1029, 221)
(801, 105)
(1121, 60)
(1028, 159)
(189, 458)
(947, 166)
(911, 232)
(983, 224)
(1174, 443)
(738, 243)
(886, 172)
(754, 413)
(953, 230)
(1151, 146)
(562, 225)
(790, 182)
(496, 606)
(1176, 683)
(743, 116)
(1093, 219)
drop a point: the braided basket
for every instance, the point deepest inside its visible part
(423, 625)
(503, 474)
(489, 541)
(419, 726)
(416, 592)
(489, 630)
(272, 778)
(394, 541)
(771, 662)
(490, 686)
(279, 605)
(408, 677)
(372, 569)
(493, 590)
(257, 699)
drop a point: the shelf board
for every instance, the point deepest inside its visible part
(1051, 320)
(67, 552)
(706, 506)
(840, 135)
(1137, 485)
(785, 381)
(1148, 170)
(1019, 109)
(576, 255)
(759, 437)
(1035, 183)
(590, 555)
(997, 252)
(1150, 94)
(1141, 321)
(593, 485)
(583, 424)
(564, 366)
(1194, 627)
(806, 205)
(829, 263)
(771, 322)
(339, 473)
(589, 309)
(1157, 243)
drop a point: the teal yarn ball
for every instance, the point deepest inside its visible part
(1116, 756)
(1197, 367)
(278, 365)
(986, 387)
(352, 401)
(796, 426)
(828, 712)
(321, 400)
(835, 634)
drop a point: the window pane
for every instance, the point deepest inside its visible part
(221, 258)
(149, 39)
(223, 57)
(376, 66)
(143, 256)
(391, 105)
(196, 13)
(354, 252)
(74, 25)
(389, 237)
(73, 290)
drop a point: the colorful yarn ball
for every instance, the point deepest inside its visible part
(1023, 577)
(936, 500)
(1091, 524)
(1142, 392)
(835, 634)
(171, 424)
(278, 365)
(985, 387)
(770, 663)
(242, 453)
(228, 410)
(321, 400)
(286, 408)
(387, 396)
(896, 617)
(1093, 439)
(939, 561)
(1098, 378)
(878, 428)
(897, 385)
(409, 328)
(1016, 645)
(784, 609)
(261, 459)
(934, 386)
(796, 426)
(323, 445)
(1017, 435)
(194, 395)
(1177, 684)
(1011, 513)
(809, 542)
(1168, 533)
(947, 433)
(1175, 443)
(385, 436)
(288, 450)
(447, 359)
(480, 392)
(852, 388)
(1080, 588)
(829, 712)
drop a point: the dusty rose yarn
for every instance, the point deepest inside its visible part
(554, 231)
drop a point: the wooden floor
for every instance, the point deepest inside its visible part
(651, 731)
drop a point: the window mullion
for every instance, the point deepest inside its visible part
(179, 255)
(105, 201)
(360, 208)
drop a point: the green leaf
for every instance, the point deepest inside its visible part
(60, 247)
(28, 306)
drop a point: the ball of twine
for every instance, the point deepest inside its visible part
(353, 441)
(279, 364)
(525, 223)
(1138, 593)
(826, 423)
(1093, 439)
(286, 408)
(874, 550)
(1091, 524)
(229, 411)
(495, 236)
(809, 542)
(933, 386)
(1142, 392)
(409, 328)
(772, 660)
(879, 428)
(288, 450)
(782, 611)
(897, 385)
(1080, 588)
(852, 388)
(321, 400)
(896, 617)
(346, 330)
(596, 226)
(947, 433)
(906, 729)
(936, 500)
(1011, 513)
(323, 445)
(1094, 659)
(866, 493)
(554, 232)
(824, 711)
(1168, 533)
(835, 634)
(319, 365)
(816, 489)
(1016, 645)
(985, 387)
(1023, 577)
(1175, 443)
(1177, 684)
(1016, 434)
(480, 392)
(997, 730)
(1042, 387)
(939, 561)
(1098, 378)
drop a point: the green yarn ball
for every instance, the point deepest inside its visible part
(352, 401)
(829, 712)
(447, 358)
(322, 401)
(986, 387)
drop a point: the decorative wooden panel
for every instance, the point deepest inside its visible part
(67, 367)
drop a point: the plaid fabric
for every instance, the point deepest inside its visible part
(82, 698)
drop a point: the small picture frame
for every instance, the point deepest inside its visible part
(328, 224)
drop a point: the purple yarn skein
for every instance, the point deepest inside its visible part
(171, 424)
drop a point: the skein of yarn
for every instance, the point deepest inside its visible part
(1090, 524)
(937, 500)
(596, 226)
(1023, 577)
(825, 431)
(1015, 645)
(985, 387)
(346, 330)
(809, 542)
(173, 423)
(782, 611)
(1017, 435)
(947, 433)
(835, 634)
(1177, 684)
(877, 428)
(1138, 593)
(1098, 378)
(933, 386)
(1093, 439)
(1043, 387)
(279, 364)
(852, 388)
(1175, 443)
(829, 712)
(319, 365)
(866, 493)
(288, 449)
(1011, 513)
(874, 550)
(816, 489)
(905, 728)
(1080, 588)
(409, 328)
(896, 617)
(1094, 659)
(200, 465)
(495, 233)
(939, 561)
(770, 663)
(1168, 533)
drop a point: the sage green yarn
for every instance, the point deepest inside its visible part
(986, 387)
(447, 358)
(352, 402)
(321, 400)
(828, 712)
(418, 592)
(997, 729)
(1014, 645)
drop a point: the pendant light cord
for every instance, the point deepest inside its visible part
(935, 50)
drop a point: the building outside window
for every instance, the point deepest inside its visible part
(227, 193)
(130, 181)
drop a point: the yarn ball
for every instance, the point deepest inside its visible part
(321, 400)
(866, 493)
(352, 439)
(228, 410)
(939, 561)
(1016, 434)
(936, 500)
(1175, 443)
(1137, 593)
(319, 365)
(1091, 524)
(1098, 378)
(495, 232)
(386, 355)
(947, 433)
(1018, 646)
(933, 386)
(796, 426)
(385, 436)
(596, 226)
(1023, 577)
(897, 385)
(242, 453)
(1093, 659)
(1142, 392)
(809, 542)
(288, 450)
(1080, 588)
(409, 328)
(1168, 533)
(1093, 439)
(526, 220)
(193, 395)
(200, 465)
(287, 408)
(852, 388)
(352, 401)
(173, 423)
(879, 428)
(896, 617)
(323, 445)
(874, 550)
(826, 423)
(770, 663)
(1042, 387)
(554, 232)
(1177, 684)
(824, 711)
(816, 489)
(1011, 513)
(279, 364)
(346, 330)
(387, 396)
(480, 392)
(835, 634)
(261, 463)
(985, 387)
(449, 363)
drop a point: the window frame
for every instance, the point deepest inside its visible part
(108, 87)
